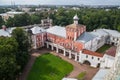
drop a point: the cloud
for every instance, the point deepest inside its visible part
(88, 2)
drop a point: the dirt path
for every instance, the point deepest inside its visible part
(76, 71)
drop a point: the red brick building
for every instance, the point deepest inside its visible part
(72, 41)
(67, 36)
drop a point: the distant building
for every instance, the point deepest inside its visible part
(75, 8)
(25, 9)
(6, 15)
(38, 37)
(6, 32)
(46, 23)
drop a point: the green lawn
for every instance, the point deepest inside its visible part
(81, 76)
(49, 67)
(103, 48)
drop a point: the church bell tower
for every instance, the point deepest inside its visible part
(73, 31)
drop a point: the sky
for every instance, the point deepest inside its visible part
(62, 2)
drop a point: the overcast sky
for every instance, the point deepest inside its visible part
(62, 2)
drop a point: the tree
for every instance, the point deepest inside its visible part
(8, 65)
(118, 28)
(32, 9)
(35, 19)
(3, 10)
(92, 18)
(10, 22)
(23, 45)
(22, 19)
(1, 22)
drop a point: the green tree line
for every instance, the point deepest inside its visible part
(92, 18)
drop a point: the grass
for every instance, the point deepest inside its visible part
(81, 76)
(103, 48)
(49, 67)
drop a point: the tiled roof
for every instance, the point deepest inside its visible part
(57, 30)
(85, 37)
(92, 53)
(75, 25)
(111, 51)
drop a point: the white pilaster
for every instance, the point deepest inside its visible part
(75, 56)
(72, 45)
(75, 35)
(47, 45)
(64, 53)
(80, 56)
(56, 49)
(35, 41)
(51, 47)
(70, 54)
(42, 39)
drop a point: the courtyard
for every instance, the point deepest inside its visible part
(103, 48)
(49, 67)
(33, 68)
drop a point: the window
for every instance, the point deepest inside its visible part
(98, 42)
(113, 38)
(98, 59)
(86, 56)
(92, 57)
(117, 39)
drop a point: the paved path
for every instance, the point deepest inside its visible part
(78, 68)
(76, 71)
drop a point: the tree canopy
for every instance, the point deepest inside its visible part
(92, 18)
(23, 45)
(13, 54)
(8, 65)
(1, 21)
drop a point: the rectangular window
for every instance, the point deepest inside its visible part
(86, 56)
(98, 59)
(92, 57)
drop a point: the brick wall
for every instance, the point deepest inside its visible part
(68, 44)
